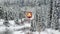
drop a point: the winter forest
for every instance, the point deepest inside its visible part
(45, 17)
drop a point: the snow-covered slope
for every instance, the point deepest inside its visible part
(48, 31)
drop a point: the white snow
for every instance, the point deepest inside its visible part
(18, 32)
(27, 25)
(12, 22)
(2, 28)
(1, 21)
(48, 31)
(12, 28)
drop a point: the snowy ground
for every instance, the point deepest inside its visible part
(14, 29)
(20, 29)
(47, 31)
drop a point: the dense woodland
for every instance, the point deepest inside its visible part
(46, 12)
